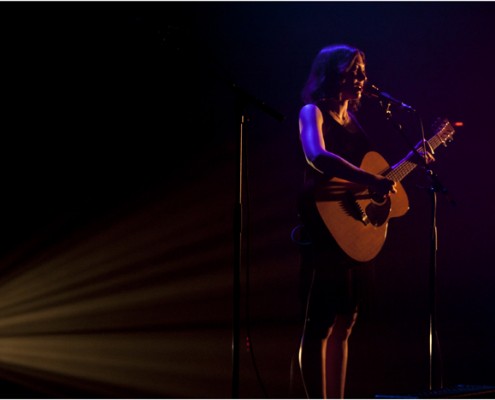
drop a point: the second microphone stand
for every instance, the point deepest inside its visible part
(243, 99)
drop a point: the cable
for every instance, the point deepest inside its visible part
(249, 341)
(306, 314)
(297, 229)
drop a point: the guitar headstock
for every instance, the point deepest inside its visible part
(444, 130)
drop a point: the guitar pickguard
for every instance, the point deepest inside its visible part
(378, 213)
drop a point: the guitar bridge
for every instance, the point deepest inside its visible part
(352, 208)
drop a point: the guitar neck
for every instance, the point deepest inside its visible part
(400, 170)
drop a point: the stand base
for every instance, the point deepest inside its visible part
(458, 391)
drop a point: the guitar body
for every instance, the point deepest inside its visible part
(357, 222)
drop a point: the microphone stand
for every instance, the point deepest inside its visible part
(243, 98)
(435, 378)
(436, 368)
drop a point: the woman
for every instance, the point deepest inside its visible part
(334, 144)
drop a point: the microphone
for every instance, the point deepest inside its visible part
(372, 91)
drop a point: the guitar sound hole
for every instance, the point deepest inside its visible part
(379, 201)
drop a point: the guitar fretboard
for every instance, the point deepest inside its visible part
(400, 170)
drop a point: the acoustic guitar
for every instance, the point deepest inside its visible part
(355, 218)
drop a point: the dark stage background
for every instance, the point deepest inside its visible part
(118, 157)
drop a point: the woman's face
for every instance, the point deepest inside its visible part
(354, 79)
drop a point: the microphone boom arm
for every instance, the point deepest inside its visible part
(374, 92)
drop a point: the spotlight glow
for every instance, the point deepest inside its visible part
(139, 303)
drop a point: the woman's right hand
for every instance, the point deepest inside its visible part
(382, 187)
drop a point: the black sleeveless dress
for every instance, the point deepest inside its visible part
(331, 282)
